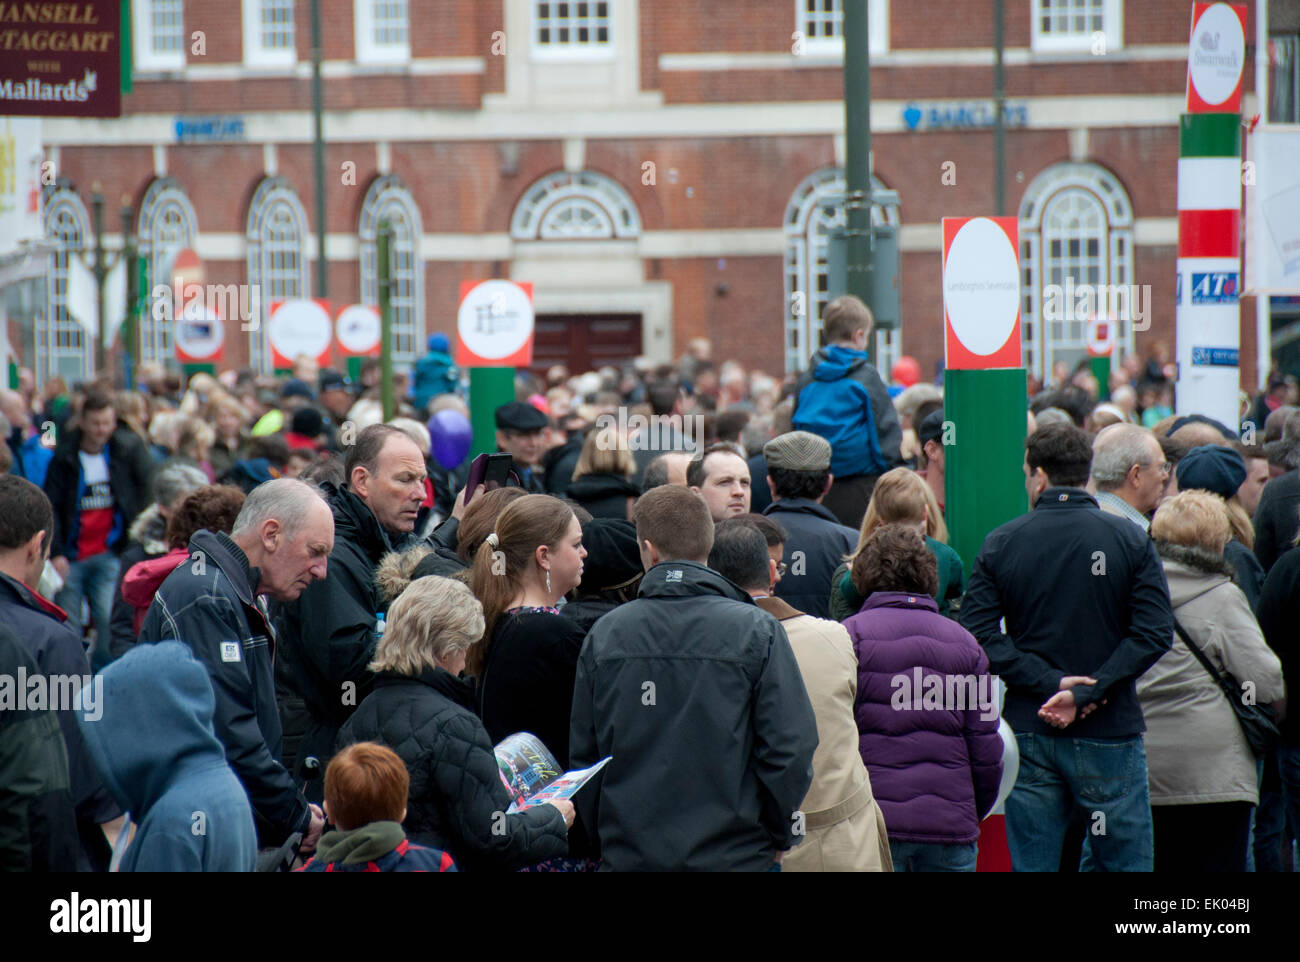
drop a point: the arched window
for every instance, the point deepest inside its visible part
(388, 199)
(815, 209)
(167, 225)
(581, 206)
(277, 269)
(1076, 244)
(62, 343)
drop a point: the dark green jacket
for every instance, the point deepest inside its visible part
(845, 600)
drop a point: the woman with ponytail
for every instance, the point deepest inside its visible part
(528, 655)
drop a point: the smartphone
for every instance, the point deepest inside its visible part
(490, 470)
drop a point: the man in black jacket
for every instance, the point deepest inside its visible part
(98, 481)
(328, 634)
(1277, 517)
(26, 520)
(213, 603)
(798, 475)
(695, 693)
(1087, 612)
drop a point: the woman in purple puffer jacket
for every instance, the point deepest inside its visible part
(925, 707)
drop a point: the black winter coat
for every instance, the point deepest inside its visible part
(328, 636)
(815, 545)
(695, 693)
(604, 495)
(148, 540)
(558, 463)
(129, 470)
(1083, 593)
(457, 798)
(212, 609)
(1278, 602)
(1277, 518)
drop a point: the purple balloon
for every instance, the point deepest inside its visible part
(452, 436)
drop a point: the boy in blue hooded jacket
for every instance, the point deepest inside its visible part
(157, 752)
(842, 398)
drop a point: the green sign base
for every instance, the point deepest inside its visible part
(1100, 367)
(984, 454)
(489, 388)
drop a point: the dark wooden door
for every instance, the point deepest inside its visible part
(585, 342)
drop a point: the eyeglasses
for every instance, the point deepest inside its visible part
(781, 569)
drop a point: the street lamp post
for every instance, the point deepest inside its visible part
(857, 161)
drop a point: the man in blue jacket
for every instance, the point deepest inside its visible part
(1087, 612)
(842, 398)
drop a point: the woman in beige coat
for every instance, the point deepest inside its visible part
(1201, 770)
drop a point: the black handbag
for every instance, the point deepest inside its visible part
(1257, 721)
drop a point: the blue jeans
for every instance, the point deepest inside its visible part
(933, 856)
(1104, 777)
(93, 581)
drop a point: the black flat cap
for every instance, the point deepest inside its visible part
(518, 416)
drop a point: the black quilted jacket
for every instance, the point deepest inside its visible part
(457, 799)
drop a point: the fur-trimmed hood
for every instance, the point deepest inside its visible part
(150, 530)
(1192, 572)
(394, 571)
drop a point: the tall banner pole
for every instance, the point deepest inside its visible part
(1207, 311)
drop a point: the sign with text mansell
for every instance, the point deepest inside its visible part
(300, 326)
(1216, 58)
(61, 59)
(981, 292)
(495, 324)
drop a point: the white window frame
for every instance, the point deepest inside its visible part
(388, 197)
(370, 52)
(1112, 19)
(613, 205)
(877, 30)
(274, 196)
(572, 50)
(256, 53)
(146, 58)
(1040, 340)
(167, 224)
(805, 258)
(62, 206)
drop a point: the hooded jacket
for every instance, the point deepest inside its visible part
(148, 539)
(211, 606)
(1196, 751)
(141, 583)
(935, 762)
(57, 649)
(695, 693)
(328, 635)
(157, 751)
(1083, 593)
(842, 398)
(456, 792)
(815, 543)
(129, 471)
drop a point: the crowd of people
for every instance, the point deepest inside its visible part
(297, 635)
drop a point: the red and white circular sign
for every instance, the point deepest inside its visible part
(200, 333)
(358, 329)
(299, 326)
(495, 324)
(1216, 58)
(981, 292)
(1100, 336)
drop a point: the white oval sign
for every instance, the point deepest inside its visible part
(300, 326)
(1218, 54)
(199, 332)
(495, 319)
(981, 286)
(358, 328)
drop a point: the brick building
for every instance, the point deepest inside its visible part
(659, 170)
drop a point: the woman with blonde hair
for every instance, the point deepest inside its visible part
(229, 420)
(901, 496)
(527, 657)
(601, 480)
(1202, 772)
(423, 710)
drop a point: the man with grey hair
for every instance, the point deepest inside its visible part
(148, 539)
(1129, 472)
(214, 603)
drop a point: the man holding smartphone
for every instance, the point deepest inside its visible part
(521, 433)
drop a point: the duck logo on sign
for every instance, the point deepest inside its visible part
(1214, 287)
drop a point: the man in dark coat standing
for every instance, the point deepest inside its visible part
(1087, 612)
(695, 693)
(98, 481)
(798, 475)
(329, 633)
